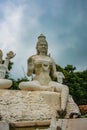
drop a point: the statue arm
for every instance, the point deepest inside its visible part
(9, 56)
(53, 71)
(56, 74)
(6, 62)
(30, 66)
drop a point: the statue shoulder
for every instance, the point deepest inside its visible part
(52, 60)
(31, 58)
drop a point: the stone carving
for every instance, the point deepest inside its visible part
(45, 96)
(44, 68)
(16, 105)
(60, 77)
(5, 83)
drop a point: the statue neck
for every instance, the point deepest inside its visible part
(43, 53)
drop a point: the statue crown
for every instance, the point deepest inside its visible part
(42, 38)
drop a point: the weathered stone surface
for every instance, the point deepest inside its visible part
(20, 105)
(4, 126)
(71, 106)
(64, 124)
(24, 124)
(26, 105)
(5, 83)
(72, 124)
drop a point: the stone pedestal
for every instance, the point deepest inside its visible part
(72, 124)
(20, 105)
(4, 126)
(64, 124)
(16, 105)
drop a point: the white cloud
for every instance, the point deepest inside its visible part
(18, 24)
(10, 26)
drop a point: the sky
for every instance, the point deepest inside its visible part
(63, 22)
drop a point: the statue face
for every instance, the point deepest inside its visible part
(42, 48)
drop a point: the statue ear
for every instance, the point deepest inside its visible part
(37, 49)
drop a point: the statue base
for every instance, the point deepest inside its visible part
(20, 105)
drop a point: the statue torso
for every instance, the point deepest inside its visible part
(42, 67)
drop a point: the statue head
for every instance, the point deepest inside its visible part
(42, 45)
(1, 54)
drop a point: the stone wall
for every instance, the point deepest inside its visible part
(64, 124)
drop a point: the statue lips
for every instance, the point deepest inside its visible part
(43, 49)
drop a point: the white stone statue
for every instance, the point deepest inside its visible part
(60, 77)
(44, 68)
(5, 83)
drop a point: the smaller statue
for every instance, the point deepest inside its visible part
(60, 77)
(5, 83)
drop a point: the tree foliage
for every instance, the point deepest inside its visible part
(77, 83)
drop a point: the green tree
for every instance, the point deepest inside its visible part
(70, 68)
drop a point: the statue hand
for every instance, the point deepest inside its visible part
(10, 55)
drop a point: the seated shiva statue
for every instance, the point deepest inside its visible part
(5, 83)
(44, 68)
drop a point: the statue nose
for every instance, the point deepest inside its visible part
(43, 46)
